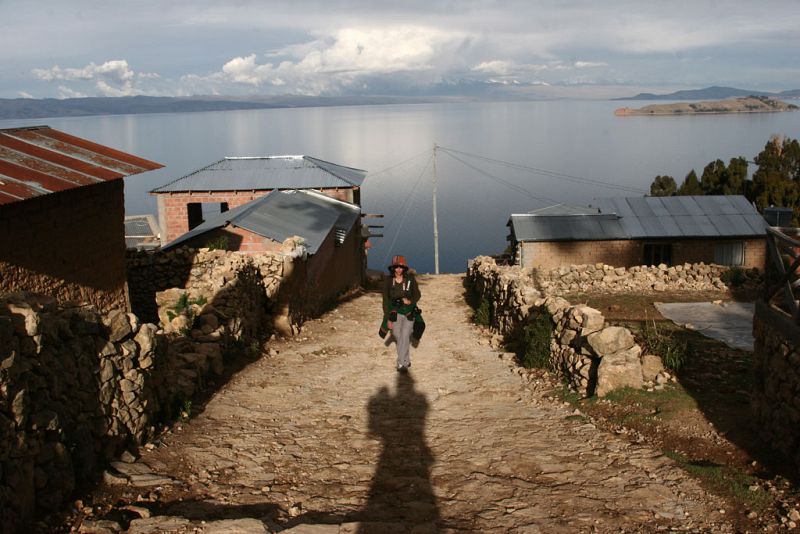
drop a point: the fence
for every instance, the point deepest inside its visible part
(782, 282)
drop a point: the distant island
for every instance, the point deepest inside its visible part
(715, 92)
(749, 104)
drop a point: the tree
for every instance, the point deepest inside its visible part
(735, 177)
(710, 180)
(776, 182)
(690, 185)
(717, 179)
(663, 186)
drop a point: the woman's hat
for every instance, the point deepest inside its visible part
(398, 261)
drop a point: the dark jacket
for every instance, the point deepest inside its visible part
(393, 292)
(392, 303)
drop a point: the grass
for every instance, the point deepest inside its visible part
(725, 480)
(674, 352)
(534, 351)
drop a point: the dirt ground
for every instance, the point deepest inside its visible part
(322, 432)
(700, 420)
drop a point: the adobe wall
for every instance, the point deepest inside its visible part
(335, 270)
(173, 213)
(630, 252)
(69, 245)
(775, 402)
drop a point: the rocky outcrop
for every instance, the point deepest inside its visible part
(591, 356)
(600, 277)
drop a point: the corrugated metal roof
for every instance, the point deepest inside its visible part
(530, 227)
(685, 216)
(141, 231)
(266, 173)
(564, 209)
(282, 214)
(38, 160)
(648, 217)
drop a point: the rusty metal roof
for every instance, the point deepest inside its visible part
(264, 173)
(38, 160)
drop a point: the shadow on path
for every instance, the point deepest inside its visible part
(401, 491)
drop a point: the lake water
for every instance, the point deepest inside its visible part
(580, 139)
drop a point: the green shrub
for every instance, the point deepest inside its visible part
(734, 277)
(483, 313)
(535, 346)
(219, 243)
(673, 352)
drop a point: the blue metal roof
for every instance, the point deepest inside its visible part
(646, 218)
(266, 173)
(282, 214)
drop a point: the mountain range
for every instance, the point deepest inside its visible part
(448, 91)
(714, 92)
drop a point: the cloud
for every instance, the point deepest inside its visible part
(23, 94)
(510, 68)
(346, 58)
(66, 92)
(112, 78)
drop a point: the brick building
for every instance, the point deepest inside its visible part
(330, 227)
(61, 216)
(185, 203)
(624, 232)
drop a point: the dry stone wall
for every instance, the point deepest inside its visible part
(776, 396)
(591, 356)
(601, 277)
(76, 386)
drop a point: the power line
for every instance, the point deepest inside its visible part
(508, 184)
(387, 169)
(568, 177)
(405, 206)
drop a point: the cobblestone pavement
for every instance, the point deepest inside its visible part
(325, 436)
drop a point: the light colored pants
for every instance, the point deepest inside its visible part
(402, 336)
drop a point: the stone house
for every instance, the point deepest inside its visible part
(61, 216)
(186, 202)
(630, 231)
(330, 230)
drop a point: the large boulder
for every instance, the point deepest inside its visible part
(610, 340)
(619, 370)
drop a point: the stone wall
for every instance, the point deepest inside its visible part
(591, 356)
(776, 395)
(602, 277)
(68, 244)
(76, 386)
(205, 272)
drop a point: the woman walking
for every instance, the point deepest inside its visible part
(400, 296)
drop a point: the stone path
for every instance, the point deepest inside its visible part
(326, 436)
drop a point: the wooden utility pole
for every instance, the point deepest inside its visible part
(435, 218)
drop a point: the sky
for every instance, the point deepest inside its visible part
(73, 48)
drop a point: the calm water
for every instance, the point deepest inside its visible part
(580, 139)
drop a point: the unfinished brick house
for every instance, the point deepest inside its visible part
(331, 229)
(624, 232)
(61, 216)
(185, 203)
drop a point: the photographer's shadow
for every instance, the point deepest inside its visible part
(401, 496)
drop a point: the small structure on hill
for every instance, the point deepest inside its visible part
(325, 229)
(61, 216)
(624, 232)
(185, 203)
